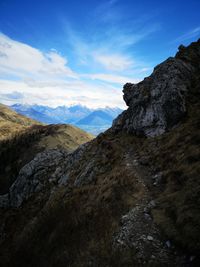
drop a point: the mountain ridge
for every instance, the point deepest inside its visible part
(71, 115)
(12, 122)
(22, 138)
(129, 197)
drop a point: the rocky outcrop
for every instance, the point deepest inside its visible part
(158, 103)
(118, 200)
(35, 176)
(48, 169)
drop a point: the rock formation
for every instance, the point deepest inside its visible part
(120, 199)
(158, 103)
(35, 176)
(21, 139)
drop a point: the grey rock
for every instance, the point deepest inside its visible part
(47, 170)
(152, 204)
(168, 243)
(150, 238)
(158, 103)
(33, 177)
(142, 235)
(63, 180)
(88, 174)
(4, 201)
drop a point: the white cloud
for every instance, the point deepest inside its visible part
(111, 78)
(114, 62)
(61, 93)
(30, 76)
(19, 59)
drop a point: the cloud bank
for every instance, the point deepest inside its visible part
(90, 71)
(29, 76)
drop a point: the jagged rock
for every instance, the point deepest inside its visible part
(34, 176)
(89, 190)
(87, 176)
(63, 180)
(49, 168)
(159, 102)
(144, 240)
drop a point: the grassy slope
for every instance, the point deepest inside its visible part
(12, 122)
(22, 138)
(177, 155)
(74, 226)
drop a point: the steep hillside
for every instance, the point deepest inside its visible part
(12, 122)
(130, 197)
(22, 138)
(35, 112)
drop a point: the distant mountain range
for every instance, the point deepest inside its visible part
(91, 120)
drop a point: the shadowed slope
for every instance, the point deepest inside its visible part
(119, 200)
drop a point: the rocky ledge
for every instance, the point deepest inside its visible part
(37, 175)
(159, 102)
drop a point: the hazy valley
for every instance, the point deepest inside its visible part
(93, 121)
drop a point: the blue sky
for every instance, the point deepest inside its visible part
(68, 52)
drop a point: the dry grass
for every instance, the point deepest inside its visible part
(74, 226)
(12, 123)
(22, 138)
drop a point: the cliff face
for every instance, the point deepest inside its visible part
(119, 200)
(158, 103)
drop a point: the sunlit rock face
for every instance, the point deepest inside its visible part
(158, 103)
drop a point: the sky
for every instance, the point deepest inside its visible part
(60, 52)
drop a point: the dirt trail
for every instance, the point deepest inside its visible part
(138, 230)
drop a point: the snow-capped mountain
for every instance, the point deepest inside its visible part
(91, 120)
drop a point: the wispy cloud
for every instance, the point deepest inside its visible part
(188, 35)
(110, 54)
(114, 62)
(107, 12)
(110, 39)
(46, 78)
(101, 60)
(116, 79)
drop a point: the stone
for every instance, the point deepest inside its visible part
(33, 177)
(158, 103)
(152, 203)
(63, 180)
(147, 216)
(150, 238)
(4, 201)
(168, 243)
